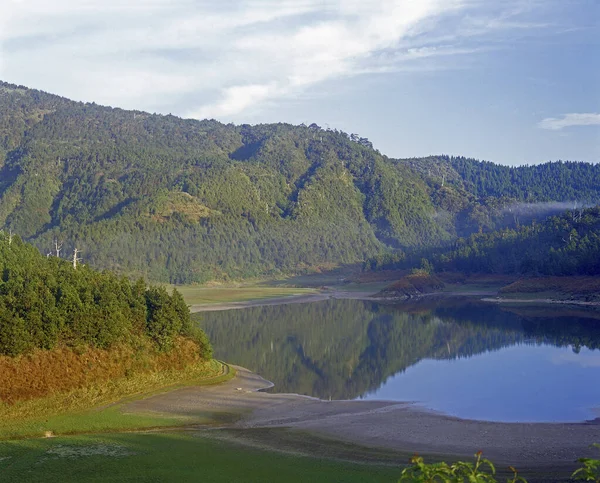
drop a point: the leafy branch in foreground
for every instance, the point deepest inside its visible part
(481, 471)
(590, 470)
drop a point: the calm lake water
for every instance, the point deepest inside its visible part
(466, 359)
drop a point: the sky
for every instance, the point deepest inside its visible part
(510, 81)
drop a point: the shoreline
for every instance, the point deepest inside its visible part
(291, 299)
(488, 296)
(501, 300)
(397, 426)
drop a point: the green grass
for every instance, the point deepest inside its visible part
(268, 289)
(101, 409)
(315, 280)
(197, 295)
(112, 418)
(164, 457)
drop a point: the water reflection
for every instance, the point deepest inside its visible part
(435, 353)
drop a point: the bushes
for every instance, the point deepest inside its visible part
(164, 321)
(45, 302)
(413, 285)
(481, 471)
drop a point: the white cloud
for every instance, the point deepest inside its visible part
(570, 120)
(235, 99)
(225, 58)
(584, 359)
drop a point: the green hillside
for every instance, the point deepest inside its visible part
(46, 302)
(184, 200)
(563, 245)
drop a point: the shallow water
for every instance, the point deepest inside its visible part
(462, 358)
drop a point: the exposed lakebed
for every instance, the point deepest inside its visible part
(463, 358)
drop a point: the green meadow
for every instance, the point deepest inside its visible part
(169, 456)
(202, 295)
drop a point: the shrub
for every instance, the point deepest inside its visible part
(481, 471)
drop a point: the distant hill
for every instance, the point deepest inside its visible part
(563, 245)
(184, 200)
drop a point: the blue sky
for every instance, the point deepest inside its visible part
(511, 81)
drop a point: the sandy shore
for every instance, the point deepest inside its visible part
(393, 425)
(292, 299)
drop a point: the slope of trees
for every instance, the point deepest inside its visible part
(45, 303)
(561, 245)
(184, 200)
(544, 182)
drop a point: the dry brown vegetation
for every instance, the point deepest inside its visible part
(475, 278)
(581, 288)
(446, 277)
(413, 285)
(379, 276)
(42, 373)
(183, 203)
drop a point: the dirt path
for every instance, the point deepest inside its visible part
(292, 299)
(393, 425)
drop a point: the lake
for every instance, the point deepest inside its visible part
(459, 357)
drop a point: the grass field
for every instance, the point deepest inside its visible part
(199, 295)
(95, 409)
(63, 439)
(170, 456)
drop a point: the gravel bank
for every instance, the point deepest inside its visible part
(292, 299)
(393, 425)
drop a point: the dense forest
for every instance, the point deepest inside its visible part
(46, 302)
(187, 201)
(342, 349)
(568, 244)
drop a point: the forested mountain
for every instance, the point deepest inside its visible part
(568, 244)
(538, 183)
(183, 200)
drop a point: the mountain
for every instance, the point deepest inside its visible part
(563, 245)
(184, 200)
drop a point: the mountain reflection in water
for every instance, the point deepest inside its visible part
(433, 352)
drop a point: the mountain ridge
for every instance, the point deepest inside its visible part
(187, 201)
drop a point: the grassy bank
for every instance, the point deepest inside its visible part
(202, 295)
(98, 407)
(189, 456)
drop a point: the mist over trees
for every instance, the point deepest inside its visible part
(568, 244)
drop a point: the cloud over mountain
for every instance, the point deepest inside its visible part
(224, 59)
(570, 120)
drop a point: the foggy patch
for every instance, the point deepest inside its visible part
(544, 208)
